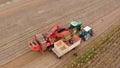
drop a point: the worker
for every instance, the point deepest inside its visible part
(75, 51)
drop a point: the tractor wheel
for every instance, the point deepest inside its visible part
(80, 36)
(79, 28)
(84, 39)
(91, 34)
(50, 49)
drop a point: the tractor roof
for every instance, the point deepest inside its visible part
(87, 28)
(75, 23)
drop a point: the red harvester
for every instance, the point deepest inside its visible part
(46, 40)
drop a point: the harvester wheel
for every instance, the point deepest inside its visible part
(50, 49)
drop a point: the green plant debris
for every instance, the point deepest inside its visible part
(92, 52)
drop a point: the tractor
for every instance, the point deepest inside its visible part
(86, 32)
(75, 26)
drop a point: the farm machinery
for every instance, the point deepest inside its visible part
(61, 40)
(42, 41)
(86, 32)
(46, 40)
(75, 26)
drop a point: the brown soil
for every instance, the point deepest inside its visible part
(21, 20)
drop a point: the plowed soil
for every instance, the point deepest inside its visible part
(19, 21)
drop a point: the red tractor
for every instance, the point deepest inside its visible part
(47, 40)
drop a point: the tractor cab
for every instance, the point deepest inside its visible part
(86, 32)
(75, 26)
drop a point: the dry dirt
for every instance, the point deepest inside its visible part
(3, 1)
(19, 21)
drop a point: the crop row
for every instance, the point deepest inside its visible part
(106, 46)
(101, 48)
(104, 52)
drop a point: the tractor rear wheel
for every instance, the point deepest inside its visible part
(91, 34)
(50, 49)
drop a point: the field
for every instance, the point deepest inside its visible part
(20, 20)
(104, 53)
